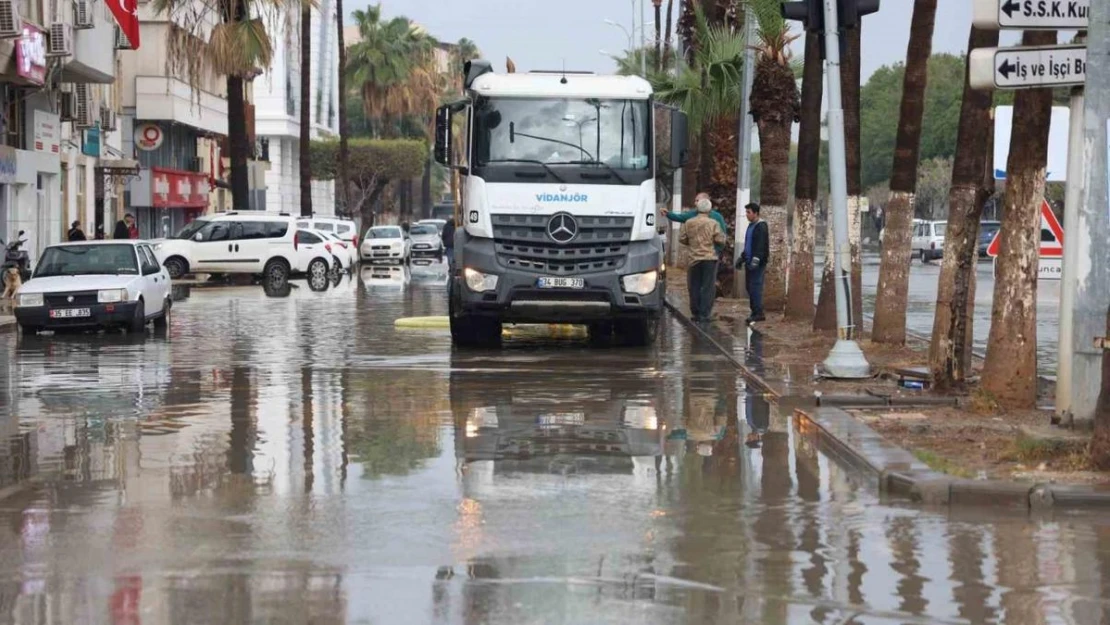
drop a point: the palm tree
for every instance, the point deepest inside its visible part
(950, 349)
(1010, 372)
(306, 110)
(894, 272)
(799, 294)
(774, 106)
(344, 181)
(667, 35)
(657, 46)
(237, 47)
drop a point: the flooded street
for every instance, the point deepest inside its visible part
(299, 459)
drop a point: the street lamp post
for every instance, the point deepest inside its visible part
(631, 35)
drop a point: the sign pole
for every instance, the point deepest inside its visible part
(744, 155)
(846, 360)
(1076, 175)
(676, 197)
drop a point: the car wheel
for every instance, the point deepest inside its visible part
(276, 275)
(318, 274)
(162, 322)
(138, 321)
(924, 258)
(637, 332)
(177, 267)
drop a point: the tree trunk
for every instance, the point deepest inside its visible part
(1010, 373)
(667, 36)
(894, 271)
(774, 189)
(799, 292)
(306, 110)
(658, 46)
(950, 348)
(426, 189)
(344, 181)
(722, 190)
(239, 144)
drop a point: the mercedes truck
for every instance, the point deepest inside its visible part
(556, 203)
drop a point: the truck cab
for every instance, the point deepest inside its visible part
(555, 214)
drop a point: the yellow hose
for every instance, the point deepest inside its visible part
(423, 323)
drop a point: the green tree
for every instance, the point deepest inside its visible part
(372, 165)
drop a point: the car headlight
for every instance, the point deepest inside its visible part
(640, 283)
(398, 245)
(111, 296)
(479, 282)
(29, 300)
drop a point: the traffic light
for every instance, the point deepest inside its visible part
(811, 13)
(851, 10)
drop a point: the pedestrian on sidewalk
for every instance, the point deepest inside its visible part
(685, 216)
(448, 238)
(702, 234)
(75, 232)
(757, 251)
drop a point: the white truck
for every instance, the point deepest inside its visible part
(556, 214)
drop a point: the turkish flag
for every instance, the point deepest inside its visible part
(128, 18)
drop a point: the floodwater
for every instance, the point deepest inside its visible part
(297, 459)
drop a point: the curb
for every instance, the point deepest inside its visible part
(899, 474)
(7, 325)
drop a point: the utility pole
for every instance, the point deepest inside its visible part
(744, 152)
(1072, 193)
(676, 197)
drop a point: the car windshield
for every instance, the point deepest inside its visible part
(190, 229)
(939, 229)
(384, 233)
(83, 260)
(423, 229)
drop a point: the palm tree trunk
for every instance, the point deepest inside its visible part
(667, 35)
(344, 180)
(1010, 372)
(950, 348)
(658, 45)
(894, 270)
(306, 109)
(238, 142)
(799, 292)
(426, 189)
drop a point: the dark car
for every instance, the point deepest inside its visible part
(987, 231)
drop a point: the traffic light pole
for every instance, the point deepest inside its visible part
(846, 360)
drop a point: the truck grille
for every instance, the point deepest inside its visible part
(522, 243)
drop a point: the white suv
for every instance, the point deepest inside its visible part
(235, 242)
(928, 239)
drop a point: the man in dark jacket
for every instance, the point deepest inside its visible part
(121, 231)
(448, 237)
(75, 232)
(757, 252)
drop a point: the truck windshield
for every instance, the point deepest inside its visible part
(609, 134)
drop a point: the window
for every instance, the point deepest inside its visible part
(343, 228)
(15, 122)
(304, 224)
(78, 260)
(254, 230)
(939, 229)
(149, 263)
(308, 238)
(276, 229)
(216, 231)
(325, 227)
(81, 189)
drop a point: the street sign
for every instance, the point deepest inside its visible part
(1052, 245)
(1031, 14)
(1027, 68)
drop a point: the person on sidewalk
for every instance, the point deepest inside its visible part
(685, 216)
(757, 251)
(702, 234)
(75, 232)
(448, 238)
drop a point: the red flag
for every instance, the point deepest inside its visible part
(126, 14)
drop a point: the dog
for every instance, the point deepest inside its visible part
(12, 282)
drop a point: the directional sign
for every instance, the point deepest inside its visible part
(1031, 14)
(1025, 68)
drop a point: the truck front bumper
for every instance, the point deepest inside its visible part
(518, 298)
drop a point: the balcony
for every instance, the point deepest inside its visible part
(94, 50)
(158, 98)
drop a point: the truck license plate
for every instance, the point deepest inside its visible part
(561, 283)
(67, 313)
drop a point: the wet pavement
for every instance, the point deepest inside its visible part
(297, 459)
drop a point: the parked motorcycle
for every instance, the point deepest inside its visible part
(16, 257)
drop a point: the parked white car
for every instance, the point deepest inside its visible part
(317, 256)
(343, 228)
(928, 239)
(350, 250)
(95, 284)
(252, 243)
(438, 223)
(426, 241)
(386, 244)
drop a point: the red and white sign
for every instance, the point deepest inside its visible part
(125, 12)
(149, 137)
(171, 188)
(47, 132)
(1052, 245)
(30, 55)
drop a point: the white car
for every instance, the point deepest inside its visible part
(385, 278)
(386, 243)
(317, 256)
(254, 243)
(343, 228)
(928, 239)
(95, 284)
(350, 249)
(438, 223)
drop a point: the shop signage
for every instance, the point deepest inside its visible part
(178, 189)
(91, 145)
(30, 55)
(7, 164)
(47, 132)
(149, 137)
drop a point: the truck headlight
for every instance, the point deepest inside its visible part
(29, 300)
(111, 296)
(479, 282)
(640, 283)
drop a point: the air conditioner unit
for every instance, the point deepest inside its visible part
(11, 25)
(83, 14)
(86, 114)
(61, 40)
(122, 42)
(107, 119)
(67, 106)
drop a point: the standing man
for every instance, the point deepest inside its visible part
(702, 234)
(75, 232)
(757, 251)
(685, 216)
(448, 237)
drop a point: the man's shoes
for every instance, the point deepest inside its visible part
(758, 318)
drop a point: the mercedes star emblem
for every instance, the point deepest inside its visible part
(562, 187)
(562, 228)
(70, 299)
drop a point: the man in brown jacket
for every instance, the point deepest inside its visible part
(700, 234)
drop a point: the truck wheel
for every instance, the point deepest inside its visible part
(475, 331)
(600, 333)
(637, 332)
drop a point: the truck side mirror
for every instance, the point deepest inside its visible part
(443, 136)
(680, 154)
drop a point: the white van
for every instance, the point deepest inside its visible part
(251, 243)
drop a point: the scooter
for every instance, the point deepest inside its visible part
(16, 257)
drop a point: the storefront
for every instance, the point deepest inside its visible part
(164, 200)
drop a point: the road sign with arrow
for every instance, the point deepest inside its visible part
(1031, 14)
(1026, 68)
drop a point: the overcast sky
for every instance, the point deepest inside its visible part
(541, 34)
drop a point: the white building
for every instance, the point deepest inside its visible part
(277, 110)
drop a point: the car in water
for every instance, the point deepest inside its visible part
(987, 231)
(344, 229)
(385, 278)
(426, 241)
(440, 224)
(249, 242)
(319, 258)
(386, 244)
(350, 250)
(93, 285)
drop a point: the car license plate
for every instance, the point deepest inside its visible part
(561, 283)
(67, 313)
